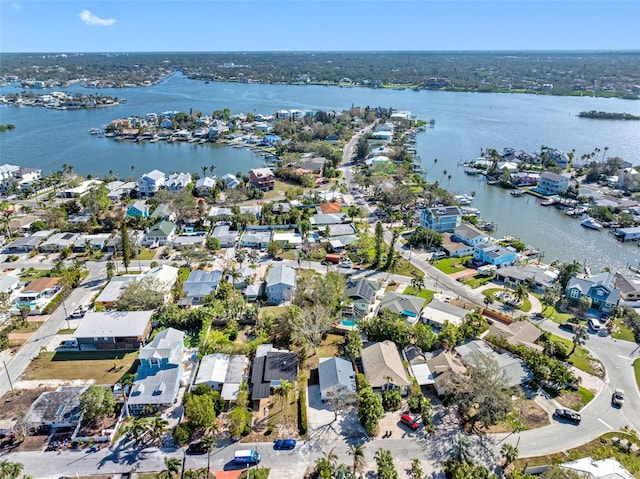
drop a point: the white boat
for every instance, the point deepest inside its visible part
(94, 131)
(463, 200)
(590, 223)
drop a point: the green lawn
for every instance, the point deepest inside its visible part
(104, 367)
(451, 265)
(636, 370)
(556, 316)
(404, 268)
(622, 331)
(478, 281)
(30, 274)
(423, 293)
(580, 358)
(146, 254)
(272, 310)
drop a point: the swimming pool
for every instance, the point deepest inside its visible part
(349, 323)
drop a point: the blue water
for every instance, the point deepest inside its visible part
(349, 323)
(465, 123)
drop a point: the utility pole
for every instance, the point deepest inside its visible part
(6, 370)
(66, 315)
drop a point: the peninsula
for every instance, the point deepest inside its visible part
(603, 115)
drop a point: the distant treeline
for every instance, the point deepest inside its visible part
(603, 115)
(564, 73)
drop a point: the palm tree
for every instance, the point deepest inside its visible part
(448, 181)
(520, 293)
(157, 427)
(509, 452)
(10, 470)
(332, 458)
(172, 467)
(463, 448)
(283, 392)
(580, 338)
(235, 275)
(208, 443)
(416, 469)
(417, 283)
(488, 300)
(359, 462)
(212, 168)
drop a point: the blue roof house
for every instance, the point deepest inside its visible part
(160, 373)
(271, 140)
(441, 219)
(600, 288)
(495, 255)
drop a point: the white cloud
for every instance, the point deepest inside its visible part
(16, 6)
(90, 19)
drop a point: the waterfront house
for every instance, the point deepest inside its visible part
(138, 208)
(116, 330)
(160, 234)
(26, 177)
(262, 178)
(494, 254)
(56, 409)
(281, 281)
(120, 189)
(552, 183)
(628, 234)
(470, 235)
(159, 374)
(629, 287)
(516, 371)
(599, 288)
(271, 140)
(402, 304)
(441, 219)
(535, 277)
(383, 368)
(455, 249)
(150, 183)
(114, 288)
(313, 163)
(204, 186)
(58, 242)
(225, 236)
(255, 239)
(230, 181)
(270, 367)
(80, 190)
(178, 182)
(224, 373)
(7, 175)
(337, 380)
(200, 284)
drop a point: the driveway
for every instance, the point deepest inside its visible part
(322, 421)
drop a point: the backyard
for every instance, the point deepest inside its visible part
(451, 265)
(102, 367)
(423, 293)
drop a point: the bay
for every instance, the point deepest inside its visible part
(465, 123)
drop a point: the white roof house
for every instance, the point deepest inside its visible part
(603, 469)
(112, 291)
(164, 275)
(337, 377)
(224, 373)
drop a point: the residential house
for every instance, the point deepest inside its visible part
(330, 207)
(160, 234)
(271, 140)
(340, 230)
(552, 183)
(517, 333)
(281, 208)
(114, 288)
(200, 284)
(162, 278)
(516, 371)
(56, 409)
(441, 219)
(599, 288)
(178, 182)
(288, 240)
(495, 255)
(363, 294)
(443, 365)
(150, 183)
(403, 304)
(589, 468)
(535, 277)
(628, 234)
(252, 210)
(230, 181)
(25, 244)
(120, 189)
(159, 374)
(224, 373)
(9, 284)
(322, 219)
(337, 380)
(225, 236)
(116, 330)
(204, 186)
(80, 190)
(470, 235)
(39, 291)
(138, 208)
(255, 239)
(262, 178)
(455, 249)
(313, 164)
(220, 213)
(86, 242)
(438, 312)
(629, 287)
(195, 238)
(270, 367)
(7, 173)
(383, 368)
(281, 281)
(26, 177)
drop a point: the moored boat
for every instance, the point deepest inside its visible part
(590, 223)
(517, 192)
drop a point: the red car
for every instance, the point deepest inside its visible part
(409, 421)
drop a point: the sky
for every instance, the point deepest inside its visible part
(304, 25)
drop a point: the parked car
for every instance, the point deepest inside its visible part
(409, 421)
(594, 325)
(571, 327)
(617, 399)
(79, 313)
(284, 444)
(567, 415)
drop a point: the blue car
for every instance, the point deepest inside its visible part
(284, 444)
